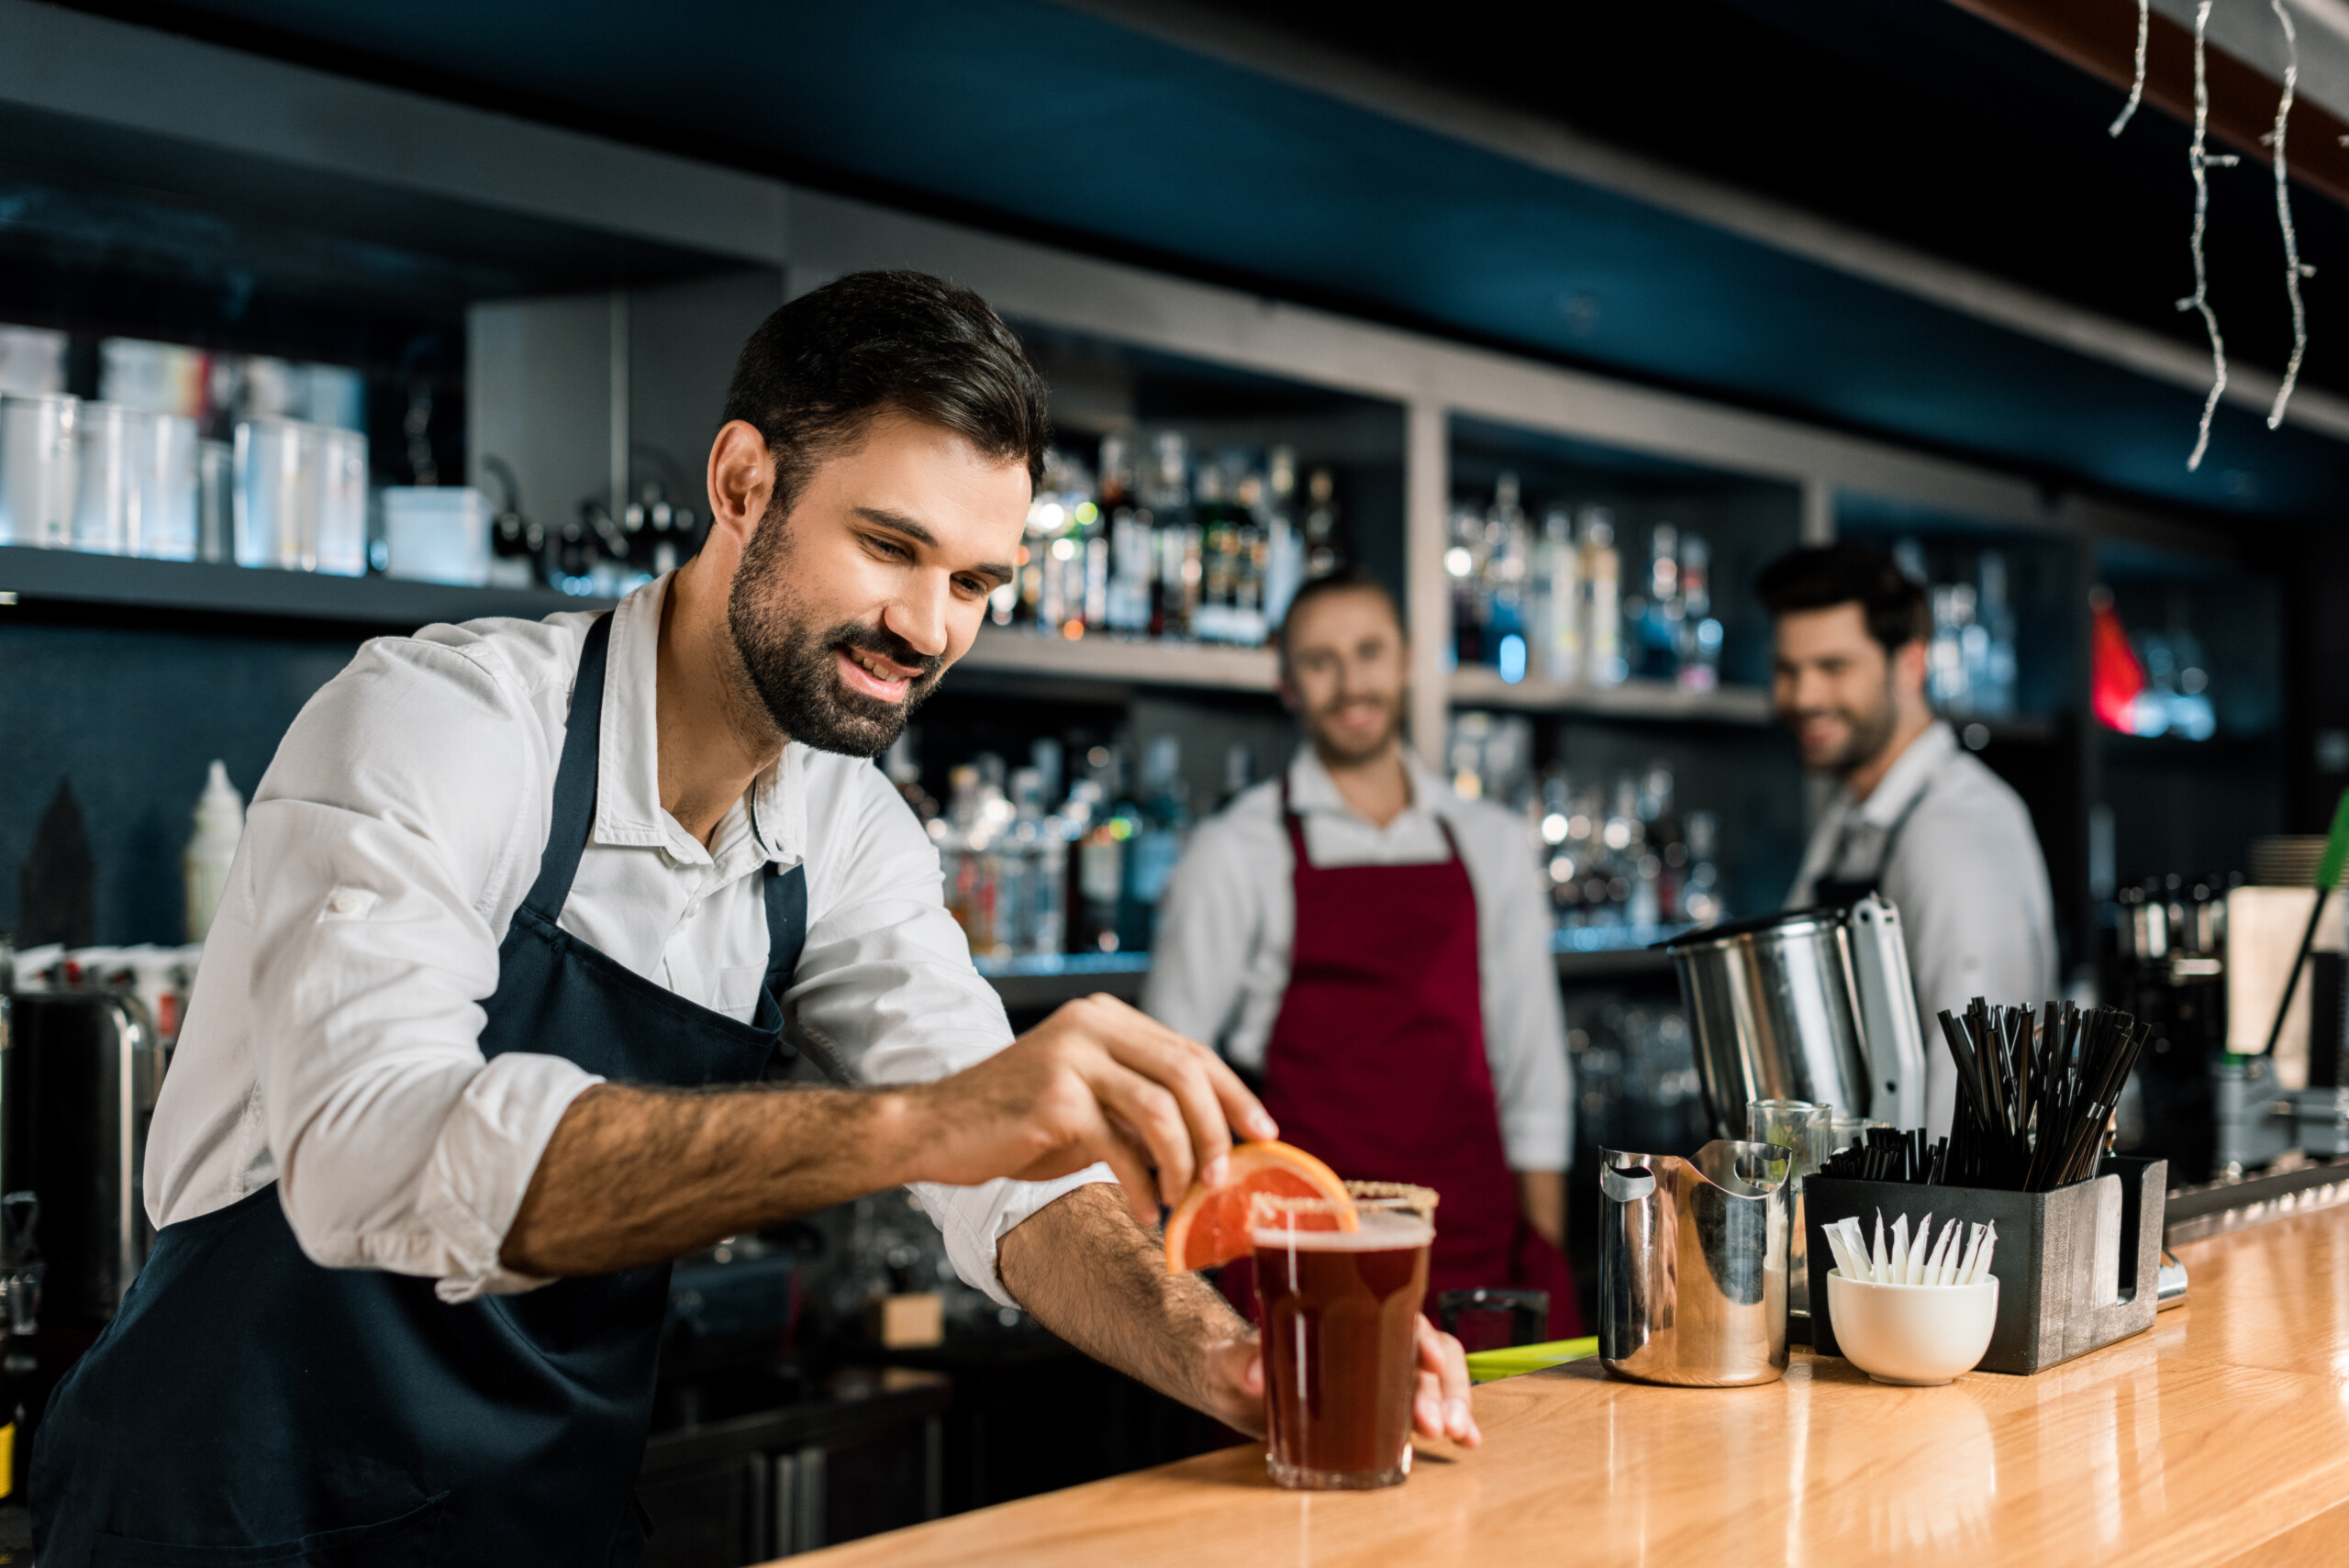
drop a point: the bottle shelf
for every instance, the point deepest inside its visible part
(1479, 686)
(1123, 661)
(68, 576)
(1047, 980)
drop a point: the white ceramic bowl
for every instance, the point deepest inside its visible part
(1912, 1335)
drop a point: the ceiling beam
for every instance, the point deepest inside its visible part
(2100, 37)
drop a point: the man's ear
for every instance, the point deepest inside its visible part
(1909, 668)
(1287, 691)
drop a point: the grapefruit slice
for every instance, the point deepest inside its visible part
(1210, 1226)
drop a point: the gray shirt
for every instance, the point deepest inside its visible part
(1228, 924)
(1965, 872)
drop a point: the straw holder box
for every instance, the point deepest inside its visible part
(2078, 1268)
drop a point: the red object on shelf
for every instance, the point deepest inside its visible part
(2115, 676)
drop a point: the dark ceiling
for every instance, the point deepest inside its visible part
(1908, 120)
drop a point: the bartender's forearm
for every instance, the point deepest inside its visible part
(1542, 1199)
(634, 1175)
(1088, 1273)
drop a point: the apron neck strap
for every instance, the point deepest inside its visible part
(573, 810)
(1296, 826)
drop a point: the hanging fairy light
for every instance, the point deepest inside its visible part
(2200, 160)
(2294, 267)
(2137, 87)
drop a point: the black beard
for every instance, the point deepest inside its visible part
(1871, 732)
(792, 669)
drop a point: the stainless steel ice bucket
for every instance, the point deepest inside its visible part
(1692, 1265)
(1772, 1005)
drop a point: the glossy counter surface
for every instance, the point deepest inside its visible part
(2222, 1433)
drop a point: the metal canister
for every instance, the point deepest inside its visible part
(1772, 1005)
(1692, 1265)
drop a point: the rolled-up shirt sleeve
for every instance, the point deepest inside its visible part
(886, 978)
(362, 893)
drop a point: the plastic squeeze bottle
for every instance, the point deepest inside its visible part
(219, 823)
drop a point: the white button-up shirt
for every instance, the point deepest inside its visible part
(1966, 874)
(332, 1042)
(1227, 928)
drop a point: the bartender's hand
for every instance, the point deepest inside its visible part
(1097, 1080)
(1438, 1405)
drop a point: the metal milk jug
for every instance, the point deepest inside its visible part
(1692, 1265)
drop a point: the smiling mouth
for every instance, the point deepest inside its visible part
(874, 675)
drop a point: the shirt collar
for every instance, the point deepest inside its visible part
(1908, 776)
(1312, 792)
(628, 752)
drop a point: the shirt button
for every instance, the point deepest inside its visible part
(347, 901)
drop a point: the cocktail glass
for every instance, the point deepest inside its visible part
(1340, 1313)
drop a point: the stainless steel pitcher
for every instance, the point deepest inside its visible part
(1692, 1265)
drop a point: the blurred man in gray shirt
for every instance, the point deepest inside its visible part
(1915, 817)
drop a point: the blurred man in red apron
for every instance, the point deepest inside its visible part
(1377, 950)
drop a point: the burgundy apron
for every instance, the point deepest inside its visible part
(1376, 1064)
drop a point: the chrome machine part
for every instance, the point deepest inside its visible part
(1773, 1006)
(87, 1068)
(1889, 1026)
(1692, 1265)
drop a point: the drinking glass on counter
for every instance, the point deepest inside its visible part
(1806, 1128)
(1340, 1312)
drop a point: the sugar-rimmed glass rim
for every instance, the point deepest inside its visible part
(1273, 1211)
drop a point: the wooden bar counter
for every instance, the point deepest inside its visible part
(2219, 1436)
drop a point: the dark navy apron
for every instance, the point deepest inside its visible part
(1833, 892)
(249, 1407)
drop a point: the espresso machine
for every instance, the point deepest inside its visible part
(81, 1073)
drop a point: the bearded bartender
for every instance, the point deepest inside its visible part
(1913, 816)
(519, 916)
(1375, 950)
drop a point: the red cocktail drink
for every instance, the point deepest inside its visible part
(1341, 1318)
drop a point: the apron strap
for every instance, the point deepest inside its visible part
(786, 900)
(1884, 852)
(1296, 826)
(574, 809)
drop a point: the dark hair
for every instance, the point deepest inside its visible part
(818, 371)
(1823, 576)
(1353, 579)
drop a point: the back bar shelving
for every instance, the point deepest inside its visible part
(645, 269)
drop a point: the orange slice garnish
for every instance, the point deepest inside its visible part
(1210, 1226)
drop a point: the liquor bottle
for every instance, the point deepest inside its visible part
(1558, 598)
(1463, 565)
(1700, 634)
(1602, 622)
(1508, 549)
(1324, 533)
(1286, 556)
(1998, 617)
(1103, 832)
(1655, 617)
(1152, 853)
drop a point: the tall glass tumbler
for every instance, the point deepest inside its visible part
(1802, 1126)
(106, 505)
(278, 492)
(342, 503)
(39, 463)
(1340, 1312)
(163, 522)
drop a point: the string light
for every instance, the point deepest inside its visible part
(2294, 269)
(2199, 160)
(2137, 87)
